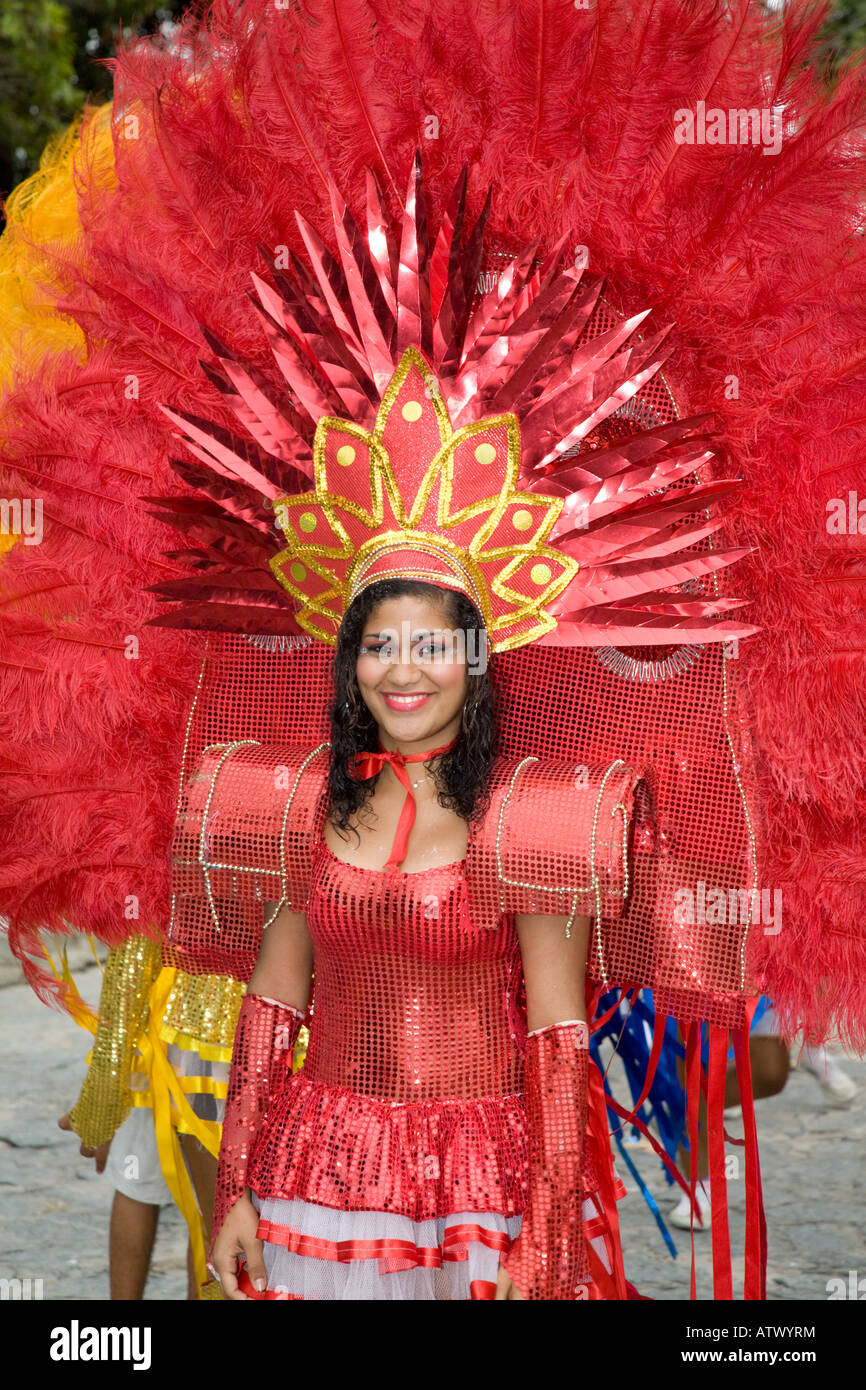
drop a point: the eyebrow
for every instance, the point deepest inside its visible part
(415, 636)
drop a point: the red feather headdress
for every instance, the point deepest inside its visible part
(463, 460)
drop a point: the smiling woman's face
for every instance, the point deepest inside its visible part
(411, 673)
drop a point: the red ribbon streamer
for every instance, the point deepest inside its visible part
(717, 1070)
(755, 1281)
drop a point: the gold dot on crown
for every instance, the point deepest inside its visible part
(307, 521)
(412, 411)
(540, 574)
(345, 455)
(522, 520)
(485, 453)
(298, 572)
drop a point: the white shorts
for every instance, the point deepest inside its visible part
(133, 1166)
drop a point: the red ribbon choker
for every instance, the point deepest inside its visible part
(364, 765)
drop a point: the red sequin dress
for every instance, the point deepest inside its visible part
(393, 1165)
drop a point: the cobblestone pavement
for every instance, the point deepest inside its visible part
(54, 1208)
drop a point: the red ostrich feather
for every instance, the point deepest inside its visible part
(565, 116)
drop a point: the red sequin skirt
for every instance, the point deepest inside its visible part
(364, 1199)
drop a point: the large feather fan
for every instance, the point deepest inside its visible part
(568, 117)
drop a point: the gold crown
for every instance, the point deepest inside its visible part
(415, 499)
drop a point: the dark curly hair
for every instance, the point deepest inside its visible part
(462, 774)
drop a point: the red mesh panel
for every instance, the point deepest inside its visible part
(242, 839)
(561, 705)
(554, 841)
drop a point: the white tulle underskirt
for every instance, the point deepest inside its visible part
(313, 1252)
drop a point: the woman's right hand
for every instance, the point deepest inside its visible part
(237, 1237)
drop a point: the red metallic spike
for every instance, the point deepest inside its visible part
(449, 234)
(332, 284)
(462, 280)
(497, 306)
(220, 456)
(208, 524)
(375, 320)
(546, 436)
(509, 349)
(451, 303)
(612, 495)
(538, 374)
(414, 319)
(615, 540)
(545, 271)
(614, 628)
(298, 467)
(592, 464)
(272, 426)
(380, 243)
(347, 374)
(639, 578)
(242, 586)
(229, 617)
(313, 394)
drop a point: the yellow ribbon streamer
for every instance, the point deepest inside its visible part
(168, 1096)
(78, 1009)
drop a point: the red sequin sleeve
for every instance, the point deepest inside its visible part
(548, 1260)
(266, 1034)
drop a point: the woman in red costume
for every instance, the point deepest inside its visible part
(440, 1141)
(411, 1039)
(540, 468)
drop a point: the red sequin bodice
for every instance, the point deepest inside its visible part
(410, 1098)
(411, 1003)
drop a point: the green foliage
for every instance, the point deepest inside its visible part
(846, 29)
(51, 58)
(843, 38)
(38, 90)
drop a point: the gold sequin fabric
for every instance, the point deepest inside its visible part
(201, 1014)
(105, 1098)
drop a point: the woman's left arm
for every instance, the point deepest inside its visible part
(548, 1258)
(554, 968)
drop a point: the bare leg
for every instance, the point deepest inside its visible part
(132, 1233)
(191, 1281)
(770, 1066)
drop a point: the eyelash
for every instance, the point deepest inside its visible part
(430, 648)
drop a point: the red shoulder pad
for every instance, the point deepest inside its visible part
(247, 817)
(554, 841)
